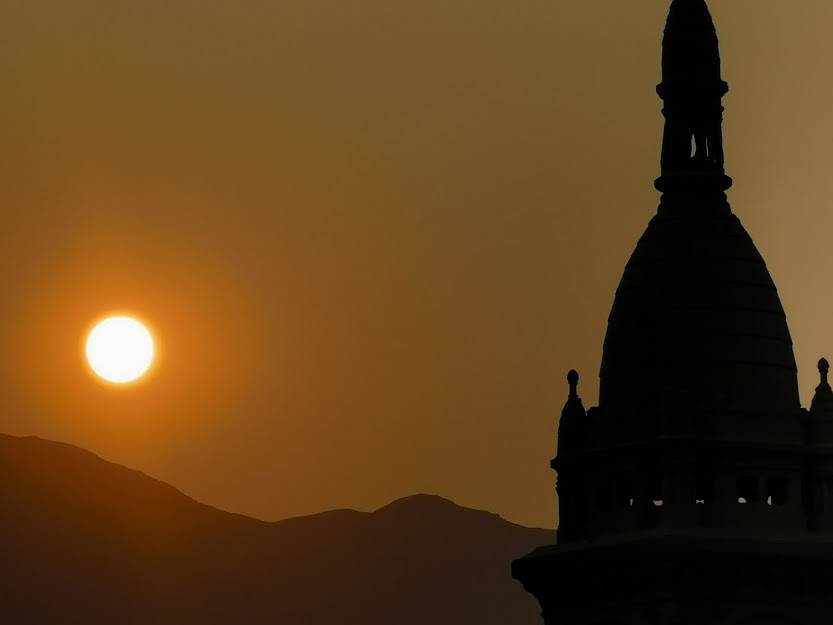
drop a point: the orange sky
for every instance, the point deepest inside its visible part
(373, 236)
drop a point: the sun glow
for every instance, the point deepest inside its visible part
(120, 349)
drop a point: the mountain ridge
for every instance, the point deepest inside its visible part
(406, 499)
(105, 543)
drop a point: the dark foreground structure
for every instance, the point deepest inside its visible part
(699, 491)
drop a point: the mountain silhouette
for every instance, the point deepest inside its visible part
(86, 541)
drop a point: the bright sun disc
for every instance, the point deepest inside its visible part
(120, 349)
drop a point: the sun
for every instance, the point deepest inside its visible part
(120, 349)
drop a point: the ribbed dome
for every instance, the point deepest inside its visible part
(697, 321)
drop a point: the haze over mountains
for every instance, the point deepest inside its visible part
(86, 541)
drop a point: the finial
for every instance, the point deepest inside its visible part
(692, 89)
(572, 380)
(822, 404)
(573, 412)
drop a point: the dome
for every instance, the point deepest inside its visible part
(697, 321)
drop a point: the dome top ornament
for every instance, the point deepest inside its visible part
(692, 89)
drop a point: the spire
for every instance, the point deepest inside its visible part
(573, 409)
(822, 405)
(571, 416)
(572, 381)
(692, 89)
(824, 369)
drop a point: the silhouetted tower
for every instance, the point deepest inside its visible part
(698, 491)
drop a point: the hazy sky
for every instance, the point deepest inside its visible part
(372, 235)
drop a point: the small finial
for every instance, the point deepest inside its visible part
(572, 380)
(822, 405)
(572, 414)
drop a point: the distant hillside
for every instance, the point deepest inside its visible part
(84, 541)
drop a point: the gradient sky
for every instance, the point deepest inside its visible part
(372, 235)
